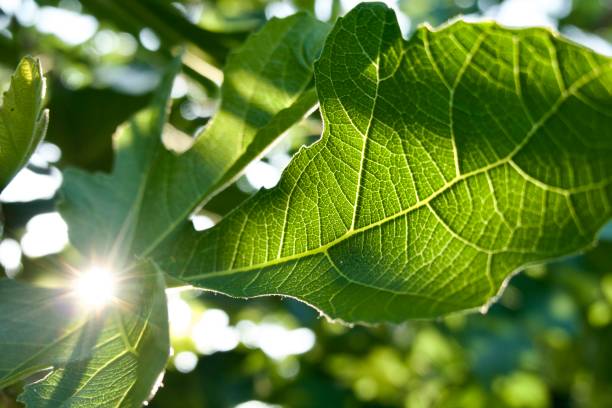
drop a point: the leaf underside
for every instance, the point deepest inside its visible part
(447, 162)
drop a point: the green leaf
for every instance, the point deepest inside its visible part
(131, 343)
(105, 358)
(447, 162)
(36, 326)
(151, 191)
(109, 204)
(23, 122)
(267, 88)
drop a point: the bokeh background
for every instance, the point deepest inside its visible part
(546, 343)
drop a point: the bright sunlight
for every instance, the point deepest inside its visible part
(95, 287)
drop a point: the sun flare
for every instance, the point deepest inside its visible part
(95, 287)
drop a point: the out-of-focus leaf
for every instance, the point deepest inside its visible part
(447, 162)
(592, 15)
(151, 191)
(22, 120)
(108, 358)
(109, 204)
(266, 89)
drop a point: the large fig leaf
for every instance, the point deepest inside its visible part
(447, 162)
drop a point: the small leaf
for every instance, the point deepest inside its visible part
(23, 123)
(104, 359)
(447, 162)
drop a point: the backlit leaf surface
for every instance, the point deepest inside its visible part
(447, 162)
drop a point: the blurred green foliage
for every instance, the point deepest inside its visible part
(546, 343)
